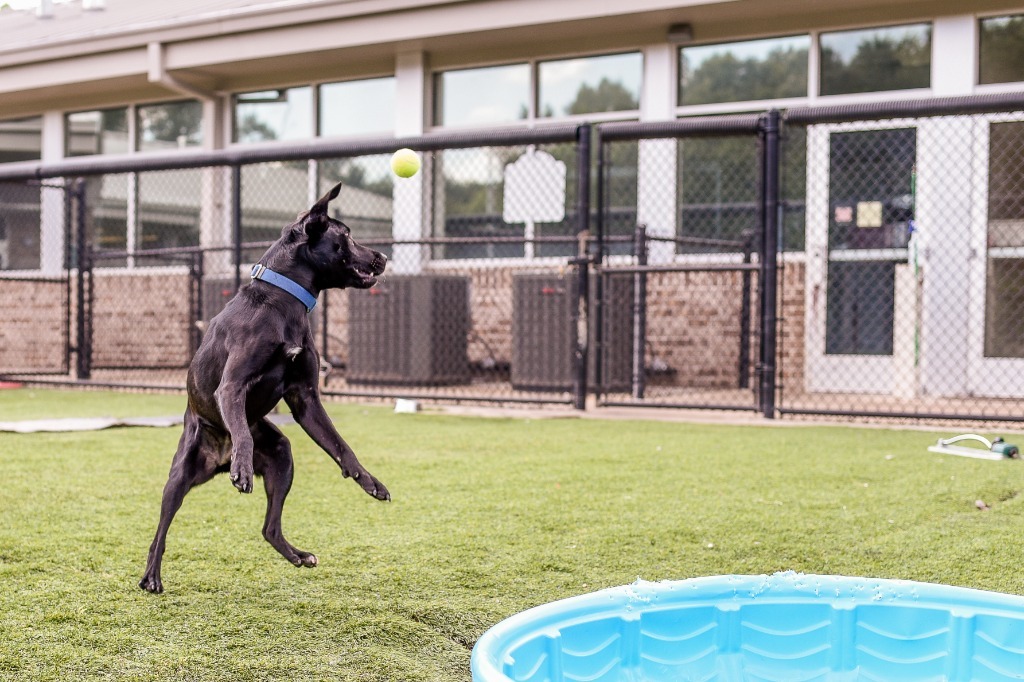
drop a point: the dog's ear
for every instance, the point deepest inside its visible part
(315, 221)
(320, 207)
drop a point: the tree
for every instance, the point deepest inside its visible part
(609, 95)
(725, 78)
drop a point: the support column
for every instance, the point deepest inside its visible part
(657, 166)
(51, 208)
(408, 218)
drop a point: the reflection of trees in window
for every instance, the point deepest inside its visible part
(251, 128)
(1002, 49)
(724, 77)
(609, 95)
(884, 60)
(172, 123)
(794, 188)
(719, 192)
(365, 204)
(470, 192)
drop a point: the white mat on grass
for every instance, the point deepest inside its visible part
(98, 423)
(84, 424)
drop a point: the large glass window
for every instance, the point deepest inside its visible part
(357, 107)
(19, 226)
(173, 125)
(589, 85)
(1001, 58)
(103, 131)
(285, 114)
(21, 139)
(1005, 277)
(751, 70)
(876, 59)
(495, 94)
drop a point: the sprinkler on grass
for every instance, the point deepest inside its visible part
(994, 449)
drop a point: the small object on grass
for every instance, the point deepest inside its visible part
(980, 504)
(405, 406)
(995, 449)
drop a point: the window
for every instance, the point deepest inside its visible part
(21, 139)
(19, 225)
(590, 85)
(174, 125)
(751, 70)
(103, 131)
(1005, 277)
(366, 201)
(496, 94)
(469, 183)
(1001, 58)
(357, 107)
(285, 114)
(876, 59)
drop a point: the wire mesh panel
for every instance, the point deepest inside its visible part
(677, 307)
(440, 322)
(35, 293)
(911, 292)
(144, 317)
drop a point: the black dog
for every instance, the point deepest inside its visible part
(256, 352)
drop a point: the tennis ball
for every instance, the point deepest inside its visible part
(405, 163)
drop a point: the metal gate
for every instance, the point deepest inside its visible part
(685, 264)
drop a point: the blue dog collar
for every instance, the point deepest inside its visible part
(264, 273)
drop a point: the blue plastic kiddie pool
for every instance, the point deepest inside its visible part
(788, 627)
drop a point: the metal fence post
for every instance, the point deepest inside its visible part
(236, 222)
(769, 262)
(581, 310)
(744, 359)
(83, 341)
(639, 313)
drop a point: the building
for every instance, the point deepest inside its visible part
(124, 78)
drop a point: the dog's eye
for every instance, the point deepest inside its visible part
(337, 247)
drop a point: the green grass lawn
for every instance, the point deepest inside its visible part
(490, 516)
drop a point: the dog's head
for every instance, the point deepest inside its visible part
(326, 244)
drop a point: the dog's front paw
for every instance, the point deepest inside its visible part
(242, 479)
(305, 559)
(374, 488)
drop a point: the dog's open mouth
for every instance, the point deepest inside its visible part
(365, 279)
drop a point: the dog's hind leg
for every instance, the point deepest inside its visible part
(272, 457)
(195, 462)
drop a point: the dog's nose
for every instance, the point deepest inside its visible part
(380, 261)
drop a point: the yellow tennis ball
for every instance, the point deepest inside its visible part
(405, 163)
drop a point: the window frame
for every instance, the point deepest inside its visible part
(532, 118)
(315, 109)
(1006, 86)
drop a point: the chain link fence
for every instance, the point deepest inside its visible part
(36, 300)
(678, 291)
(858, 261)
(906, 300)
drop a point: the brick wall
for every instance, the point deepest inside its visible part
(141, 319)
(33, 325)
